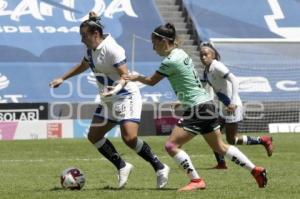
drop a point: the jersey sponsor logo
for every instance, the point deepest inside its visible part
(52, 20)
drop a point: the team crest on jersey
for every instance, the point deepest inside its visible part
(187, 60)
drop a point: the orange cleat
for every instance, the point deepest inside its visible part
(220, 166)
(260, 175)
(193, 185)
(267, 142)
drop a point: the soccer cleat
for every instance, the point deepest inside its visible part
(123, 174)
(260, 175)
(194, 185)
(162, 176)
(267, 142)
(220, 166)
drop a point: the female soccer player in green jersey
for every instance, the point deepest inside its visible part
(200, 116)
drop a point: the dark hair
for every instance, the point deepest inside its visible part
(93, 23)
(209, 45)
(166, 31)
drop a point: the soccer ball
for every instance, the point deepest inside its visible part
(72, 178)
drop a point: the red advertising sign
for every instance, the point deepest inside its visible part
(54, 130)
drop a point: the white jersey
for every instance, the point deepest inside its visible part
(216, 77)
(103, 61)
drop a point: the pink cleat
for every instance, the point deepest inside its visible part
(260, 175)
(194, 185)
(267, 142)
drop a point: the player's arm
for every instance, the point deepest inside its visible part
(224, 72)
(123, 72)
(151, 80)
(235, 87)
(79, 68)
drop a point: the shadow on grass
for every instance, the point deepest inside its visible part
(110, 188)
(135, 188)
(210, 168)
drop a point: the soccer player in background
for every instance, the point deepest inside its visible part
(200, 116)
(121, 102)
(225, 86)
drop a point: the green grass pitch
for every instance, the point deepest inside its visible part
(31, 169)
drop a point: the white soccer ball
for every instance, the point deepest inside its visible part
(72, 178)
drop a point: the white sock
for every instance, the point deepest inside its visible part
(245, 139)
(184, 161)
(235, 155)
(236, 140)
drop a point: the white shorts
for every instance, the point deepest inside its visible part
(237, 116)
(125, 108)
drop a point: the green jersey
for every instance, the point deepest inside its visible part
(178, 67)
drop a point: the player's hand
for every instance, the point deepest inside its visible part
(231, 108)
(106, 92)
(131, 77)
(56, 82)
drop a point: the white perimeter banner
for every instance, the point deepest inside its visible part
(38, 129)
(47, 129)
(284, 128)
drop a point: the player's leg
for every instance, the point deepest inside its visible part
(173, 145)
(221, 163)
(232, 133)
(266, 141)
(129, 132)
(99, 127)
(129, 135)
(129, 124)
(210, 130)
(215, 141)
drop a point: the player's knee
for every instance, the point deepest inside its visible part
(130, 141)
(170, 146)
(230, 140)
(221, 148)
(91, 137)
(95, 134)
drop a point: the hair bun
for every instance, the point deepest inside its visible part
(93, 16)
(170, 26)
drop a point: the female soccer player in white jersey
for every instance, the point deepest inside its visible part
(200, 116)
(120, 101)
(225, 86)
